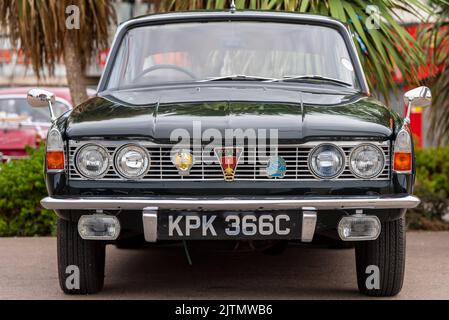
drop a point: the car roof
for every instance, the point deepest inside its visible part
(228, 13)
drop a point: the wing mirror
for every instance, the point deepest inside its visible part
(418, 97)
(38, 98)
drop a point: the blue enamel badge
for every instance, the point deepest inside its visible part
(276, 167)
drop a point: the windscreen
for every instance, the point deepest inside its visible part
(188, 52)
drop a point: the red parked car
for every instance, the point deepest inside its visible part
(22, 125)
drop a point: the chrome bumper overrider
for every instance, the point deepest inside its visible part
(232, 203)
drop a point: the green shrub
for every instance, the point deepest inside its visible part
(432, 187)
(22, 186)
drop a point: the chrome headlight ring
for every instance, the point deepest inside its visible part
(138, 161)
(312, 164)
(103, 166)
(380, 168)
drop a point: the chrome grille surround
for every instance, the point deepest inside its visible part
(208, 168)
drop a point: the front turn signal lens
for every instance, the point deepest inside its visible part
(55, 151)
(402, 158)
(55, 160)
(402, 161)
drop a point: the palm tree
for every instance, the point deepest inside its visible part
(436, 39)
(38, 28)
(382, 51)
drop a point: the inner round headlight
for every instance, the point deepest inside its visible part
(132, 162)
(367, 161)
(327, 161)
(92, 161)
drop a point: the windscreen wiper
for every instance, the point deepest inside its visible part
(238, 77)
(305, 78)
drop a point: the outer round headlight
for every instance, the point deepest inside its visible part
(367, 161)
(327, 161)
(132, 162)
(92, 161)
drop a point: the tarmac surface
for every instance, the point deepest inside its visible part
(28, 270)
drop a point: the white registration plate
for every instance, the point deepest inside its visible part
(221, 226)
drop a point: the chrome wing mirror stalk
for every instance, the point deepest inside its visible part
(38, 98)
(418, 97)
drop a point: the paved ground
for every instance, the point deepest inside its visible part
(28, 271)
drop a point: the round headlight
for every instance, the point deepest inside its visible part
(367, 161)
(92, 161)
(327, 161)
(132, 162)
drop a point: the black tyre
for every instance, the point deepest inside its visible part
(388, 254)
(76, 254)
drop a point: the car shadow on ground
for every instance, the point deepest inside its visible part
(164, 272)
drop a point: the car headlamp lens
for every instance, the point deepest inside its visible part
(327, 161)
(92, 161)
(367, 161)
(132, 162)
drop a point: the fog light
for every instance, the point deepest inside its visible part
(359, 227)
(98, 227)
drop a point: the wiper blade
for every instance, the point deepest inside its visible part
(238, 77)
(312, 77)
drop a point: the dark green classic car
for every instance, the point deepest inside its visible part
(238, 126)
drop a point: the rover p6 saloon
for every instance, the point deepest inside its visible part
(245, 127)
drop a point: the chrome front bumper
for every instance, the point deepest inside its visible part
(307, 206)
(232, 203)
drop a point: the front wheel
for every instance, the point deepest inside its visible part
(80, 262)
(381, 263)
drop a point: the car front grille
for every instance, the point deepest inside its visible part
(207, 167)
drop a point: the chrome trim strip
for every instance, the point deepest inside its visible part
(230, 203)
(149, 217)
(308, 224)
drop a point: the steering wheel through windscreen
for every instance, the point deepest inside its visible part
(164, 66)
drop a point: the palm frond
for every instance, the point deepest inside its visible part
(439, 112)
(435, 37)
(382, 51)
(38, 29)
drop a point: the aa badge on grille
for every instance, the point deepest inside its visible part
(229, 158)
(183, 161)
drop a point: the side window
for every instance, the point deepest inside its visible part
(43, 114)
(17, 109)
(60, 108)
